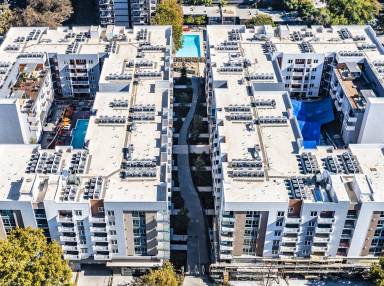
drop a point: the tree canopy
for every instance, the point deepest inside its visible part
(260, 19)
(28, 259)
(51, 13)
(336, 12)
(169, 12)
(348, 12)
(164, 276)
(377, 272)
(7, 18)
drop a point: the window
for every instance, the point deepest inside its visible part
(287, 77)
(84, 250)
(309, 233)
(111, 213)
(311, 223)
(289, 69)
(90, 61)
(279, 222)
(290, 61)
(280, 213)
(277, 232)
(290, 210)
(313, 77)
(111, 222)
(309, 61)
(307, 242)
(314, 69)
(313, 213)
(113, 241)
(287, 85)
(276, 242)
(100, 209)
(115, 250)
(78, 213)
(112, 232)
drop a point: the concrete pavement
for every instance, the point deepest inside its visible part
(197, 253)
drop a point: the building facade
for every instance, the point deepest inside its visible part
(275, 201)
(108, 202)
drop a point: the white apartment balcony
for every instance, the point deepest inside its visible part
(163, 246)
(225, 256)
(323, 230)
(68, 238)
(65, 229)
(101, 257)
(228, 219)
(98, 229)
(71, 257)
(100, 248)
(84, 82)
(292, 220)
(287, 248)
(349, 128)
(76, 74)
(320, 239)
(64, 219)
(162, 236)
(352, 119)
(226, 238)
(69, 247)
(291, 230)
(319, 248)
(97, 219)
(289, 239)
(226, 247)
(227, 229)
(99, 238)
(326, 220)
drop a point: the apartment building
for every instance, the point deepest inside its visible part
(26, 95)
(126, 12)
(275, 201)
(108, 202)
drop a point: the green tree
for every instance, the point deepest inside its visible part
(348, 12)
(51, 13)
(377, 272)
(7, 18)
(169, 12)
(260, 19)
(163, 276)
(223, 3)
(27, 259)
(305, 9)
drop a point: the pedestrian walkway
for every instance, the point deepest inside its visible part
(197, 252)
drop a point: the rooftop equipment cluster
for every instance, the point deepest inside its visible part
(307, 163)
(44, 163)
(78, 161)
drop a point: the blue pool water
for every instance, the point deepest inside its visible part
(78, 134)
(191, 47)
(311, 116)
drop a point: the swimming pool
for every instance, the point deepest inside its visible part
(190, 48)
(78, 134)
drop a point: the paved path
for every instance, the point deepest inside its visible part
(197, 253)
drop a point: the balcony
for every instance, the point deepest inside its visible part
(100, 248)
(98, 229)
(289, 239)
(68, 238)
(287, 248)
(226, 219)
(64, 219)
(70, 247)
(101, 257)
(97, 219)
(226, 238)
(319, 248)
(321, 239)
(66, 229)
(225, 256)
(329, 220)
(227, 229)
(323, 230)
(71, 257)
(291, 230)
(292, 220)
(99, 238)
(226, 247)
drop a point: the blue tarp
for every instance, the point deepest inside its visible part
(311, 116)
